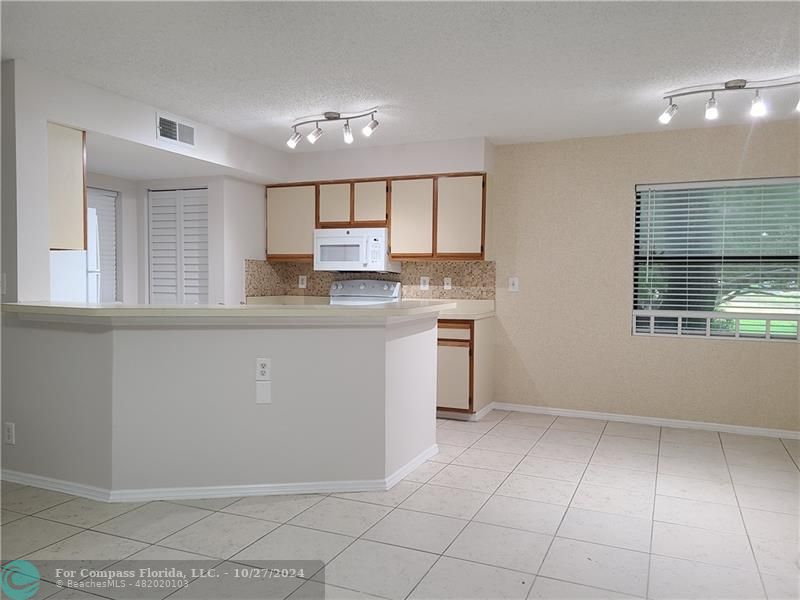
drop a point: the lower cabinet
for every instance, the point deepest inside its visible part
(454, 384)
(464, 383)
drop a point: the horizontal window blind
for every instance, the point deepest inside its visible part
(718, 259)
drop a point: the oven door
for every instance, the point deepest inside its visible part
(340, 253)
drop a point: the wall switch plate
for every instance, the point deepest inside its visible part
(9, 434)
(302, 281)
(263, 369)
(263, 392)
(448, 283)
(513, 284)
(424, 283)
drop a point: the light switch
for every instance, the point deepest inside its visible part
(513, 284)
(263, 369)
(263, 392)
(424, 283)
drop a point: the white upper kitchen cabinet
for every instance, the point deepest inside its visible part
(412, 218)
(460, 216)
(290, 222)
(66, 187)
(334, 204)
(370, 202)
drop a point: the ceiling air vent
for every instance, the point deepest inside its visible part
(170, 129)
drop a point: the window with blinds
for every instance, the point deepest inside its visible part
(178, 241)
(718, 259)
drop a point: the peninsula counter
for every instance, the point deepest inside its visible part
(127, 402)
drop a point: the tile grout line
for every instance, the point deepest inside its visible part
(796, 461)
(653, 518)
(744, 524)
(569, 504)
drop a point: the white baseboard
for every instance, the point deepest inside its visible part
(221, 491)
(57, 485)
(459, 416)
(400, 473)
(658, 421)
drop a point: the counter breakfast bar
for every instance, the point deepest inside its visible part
(128, 402)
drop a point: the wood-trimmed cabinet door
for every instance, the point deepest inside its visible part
(66, 187)
(454, 380)
(334, 204)
(460, 216)
(411, 218)
(290, 222)
(369, 203)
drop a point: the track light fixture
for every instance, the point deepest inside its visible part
(370, 127)
(758, 107)
(668, 113)
(315, 134)
(331, 116)
(292, 141)
(348, 135)
(712, 112)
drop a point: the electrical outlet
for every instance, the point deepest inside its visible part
(302, 281)
(263, 369)
(448, 283)
(424, 283)
(9, 434)
(513, 284)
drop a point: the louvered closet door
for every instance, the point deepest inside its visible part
(194, 246)
(105, 203)
(178, 246)
(164, 257)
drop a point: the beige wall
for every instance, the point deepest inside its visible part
(561, 218)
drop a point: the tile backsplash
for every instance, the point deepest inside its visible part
(473, 280)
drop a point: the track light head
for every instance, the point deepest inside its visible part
(370, 127)
(757, 107)
(294, 140)
(712, 112)
(797, 108)
(315, 134)
(668, 113)
(348, 134)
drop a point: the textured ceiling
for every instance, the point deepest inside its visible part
(507, 71)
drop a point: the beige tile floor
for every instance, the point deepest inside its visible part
(515, 506)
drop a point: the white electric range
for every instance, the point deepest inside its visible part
(357, 292)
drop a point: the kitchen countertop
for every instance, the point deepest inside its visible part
(306, 310)
(470, 310)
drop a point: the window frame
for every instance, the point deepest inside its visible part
(679, 318)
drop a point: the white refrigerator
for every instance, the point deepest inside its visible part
(75, 274)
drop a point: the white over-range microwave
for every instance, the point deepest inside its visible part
(353, 249)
